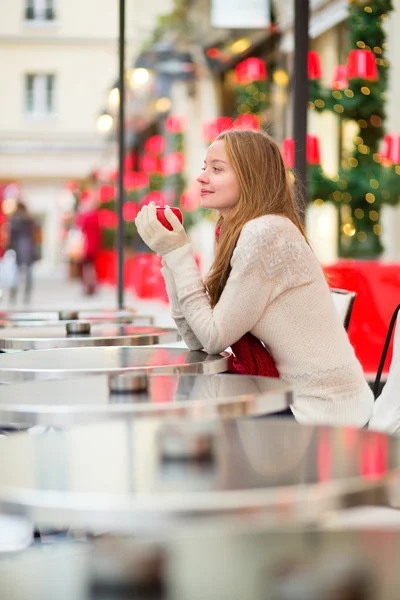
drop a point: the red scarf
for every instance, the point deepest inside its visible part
(251, 357)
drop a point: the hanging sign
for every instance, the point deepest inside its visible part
(236, 14)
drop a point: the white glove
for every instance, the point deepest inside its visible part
(155, 235)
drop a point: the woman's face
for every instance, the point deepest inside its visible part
(219, 185)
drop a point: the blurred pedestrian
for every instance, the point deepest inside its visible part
(88, 221)
(266, 295)
(22, 240)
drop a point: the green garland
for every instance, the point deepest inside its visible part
(363, 184)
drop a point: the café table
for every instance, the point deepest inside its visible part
(66, 363)
(151, 475)
(77, 334)
(62, 403)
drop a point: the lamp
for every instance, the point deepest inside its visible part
(105, 122)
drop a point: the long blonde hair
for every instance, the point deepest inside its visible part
(265, 189)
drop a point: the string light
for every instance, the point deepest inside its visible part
(346, 197)
(349, 93)
(353, 162)
(362, 236)
(365, 90)
(336, 94)
(377, 157)
(337, 195)
(311, 105)
(338, 108)
(359, 213)
(377, 50)
(361, 44)
(368, 9)
(349, 229)
(363, 123)
(374, 183)
(373, 215)
(397, 169)
(377, 229)
(318, 202)
(319, 103)
(364, 149)
(370, 197)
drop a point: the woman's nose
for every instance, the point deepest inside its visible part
(202, 178)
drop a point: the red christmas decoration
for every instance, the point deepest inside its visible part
(387, 146)
(129, 180)
(314, 65)
(312, 151)
(251, 69)
(361, 65)
(287, 151)
(395, 153)
(130, 211)
(149, 163)
(339, 78)
(172, 163)
(156, 196)
(108, 218)
(247, 121)
(106, 193)
(189, 202)
(175, 124)
(155, 144)
(129, 161)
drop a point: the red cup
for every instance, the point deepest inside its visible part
(160, 211)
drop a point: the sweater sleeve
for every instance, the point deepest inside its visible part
(257, 263)
(185, 331)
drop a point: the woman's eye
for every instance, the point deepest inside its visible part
(216, 169)
(203, 168)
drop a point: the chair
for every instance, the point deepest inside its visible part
(344, 301)
(386, 415)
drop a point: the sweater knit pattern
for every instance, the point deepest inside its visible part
(277, 291)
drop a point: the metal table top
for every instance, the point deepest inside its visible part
(88, 399)
(77, 334)
(150, 475)
(67, 363)
(28, 318)
(65, 314)
(234, 564)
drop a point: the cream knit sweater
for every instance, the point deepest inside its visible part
(277, 291)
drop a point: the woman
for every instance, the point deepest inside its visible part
(265, 279)
(22, 241)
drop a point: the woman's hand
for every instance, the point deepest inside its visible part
(155, 235)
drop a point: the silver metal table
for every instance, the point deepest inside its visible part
(88, 399)
(218, 564)
(77, 334)
(137, 320)
(152, 475)
(57, 316)
(72, 362)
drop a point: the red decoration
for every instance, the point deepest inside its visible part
(129, 180)
(251, 69)
(129, 161)
(314, 65)
(361, 65)
(172, 163)
(387, 145)
(130, 211)
(106, 193)
(156, 196)
(339, 79)
(175, 124)
(247, 121)
(312, 151)
(287, 151)
(108, 218)
(155, 144)
(395, 150)
(149, 163)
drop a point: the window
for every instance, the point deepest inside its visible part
(39, 10)
(39, 94)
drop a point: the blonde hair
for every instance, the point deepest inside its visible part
(265, 189)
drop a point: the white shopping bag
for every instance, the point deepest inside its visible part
(9, 270)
